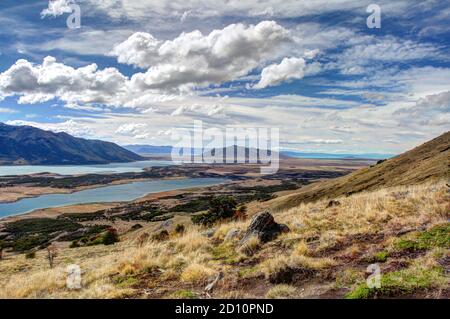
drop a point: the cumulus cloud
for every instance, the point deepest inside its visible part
(131, 129)
(43, 82)
(193, 59)
(197, 109)
(57, 8)
(432, 109)
(289, 69)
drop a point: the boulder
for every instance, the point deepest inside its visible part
(264, 227)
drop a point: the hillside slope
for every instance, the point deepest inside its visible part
(30, 145)
(427, 161)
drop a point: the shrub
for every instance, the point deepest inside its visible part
(282, 292)
(30, 255)
(161, 236)
(221, 207)
(241, 213)
(180, 229)
(196, 273)
(109, 237)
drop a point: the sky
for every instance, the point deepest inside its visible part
(134, 71)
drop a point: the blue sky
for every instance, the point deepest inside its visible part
(134, 71)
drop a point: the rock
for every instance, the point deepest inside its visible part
(333, 203)
(209, 232)
(264, 227)
(165, 224)
(232, 234)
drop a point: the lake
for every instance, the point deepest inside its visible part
(114, 193)
(81, 169)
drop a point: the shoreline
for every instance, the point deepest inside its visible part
(81, 188)
(147, 196)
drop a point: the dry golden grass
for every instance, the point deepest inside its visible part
(192, 258)
(196, 273)
(282, 292)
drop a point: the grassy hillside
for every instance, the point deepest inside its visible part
(428, 161)
(404, 230)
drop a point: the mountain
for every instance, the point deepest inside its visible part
(29, 145)
(427, 161)
(242, 154)
(296, 154)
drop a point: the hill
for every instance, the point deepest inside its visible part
(29, 145)
(428, 161)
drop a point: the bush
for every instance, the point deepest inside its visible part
(110, 237)
(161, 236)
(221, 207)
(282, 292)
(180, 229)
(30, 255)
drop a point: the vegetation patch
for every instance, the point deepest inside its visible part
(438, 236)
(37, 232)
(379, 257)
(282, 292)
(226, 253)
(123, 281)
(106, 237)
(183, 294)
(221, 207)
(402, 282)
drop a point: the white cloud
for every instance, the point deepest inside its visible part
(359, 58)
(71, 127)
(57, 8)
(40, 83)
(139, 10)
(193, 59)
(131, 129)
(289, 69)
(433, 110)
(197, 109)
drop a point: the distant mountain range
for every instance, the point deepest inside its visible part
(336, 155)
(159, 150)
(22, 145)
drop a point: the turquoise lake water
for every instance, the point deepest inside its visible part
(114, 193)
(81, 169)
